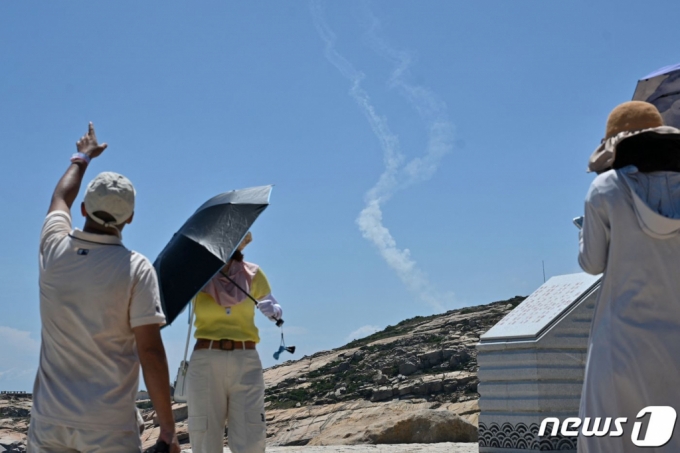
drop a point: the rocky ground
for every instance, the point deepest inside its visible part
(413, 383)
(444, 447)
(14, 415)
(432, 358)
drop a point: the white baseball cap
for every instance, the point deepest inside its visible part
(110, 193)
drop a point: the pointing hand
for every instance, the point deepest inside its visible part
(88, 144)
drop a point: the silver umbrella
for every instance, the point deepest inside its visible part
(662, 88)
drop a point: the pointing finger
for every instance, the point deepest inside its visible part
(91, 133)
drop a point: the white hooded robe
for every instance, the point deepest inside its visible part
(631, 232)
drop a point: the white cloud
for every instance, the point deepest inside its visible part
(19, 357)
(398, 173)
(362, 332)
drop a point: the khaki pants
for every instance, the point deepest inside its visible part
(226, 386)
(48, 438)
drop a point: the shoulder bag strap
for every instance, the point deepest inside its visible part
(192, 308)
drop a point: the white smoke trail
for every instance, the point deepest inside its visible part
(397, 174)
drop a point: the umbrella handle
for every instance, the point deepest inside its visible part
(279, 322)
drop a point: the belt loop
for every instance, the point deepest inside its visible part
(211, 343)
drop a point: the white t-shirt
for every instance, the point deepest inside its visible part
(93, 291)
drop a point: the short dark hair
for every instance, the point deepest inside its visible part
(105, 216)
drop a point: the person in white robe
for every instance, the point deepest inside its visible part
(631, 234)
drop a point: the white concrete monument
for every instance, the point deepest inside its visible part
(531, 366)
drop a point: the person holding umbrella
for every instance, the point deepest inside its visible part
(631, 233)
(225, 380)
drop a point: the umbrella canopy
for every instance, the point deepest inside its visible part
(204, 244)
(662, 88)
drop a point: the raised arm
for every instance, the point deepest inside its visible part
(69, 185)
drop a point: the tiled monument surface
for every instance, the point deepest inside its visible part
(531, 366)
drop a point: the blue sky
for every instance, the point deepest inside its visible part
(461, 131)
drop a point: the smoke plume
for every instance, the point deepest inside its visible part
(399, 173)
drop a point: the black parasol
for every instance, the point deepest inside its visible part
(204, 244)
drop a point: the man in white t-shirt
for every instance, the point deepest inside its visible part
(101, 317)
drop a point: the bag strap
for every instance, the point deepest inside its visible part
(191, 320)
(279, 322)
(239, 287)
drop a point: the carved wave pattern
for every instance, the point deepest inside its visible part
(521, 436)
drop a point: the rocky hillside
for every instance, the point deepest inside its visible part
(421, 364)
(415, 382)
(417, 358)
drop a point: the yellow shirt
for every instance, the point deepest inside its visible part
(237, 323)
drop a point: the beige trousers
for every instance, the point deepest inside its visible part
(226, 386)
(45, 437)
